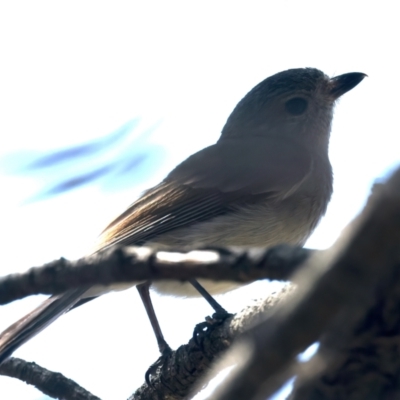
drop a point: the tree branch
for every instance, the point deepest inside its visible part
(362, 362)
(181, 372)
(339, 291)
(132, 264)
(51, 383)
(362, 261)
(186, 367)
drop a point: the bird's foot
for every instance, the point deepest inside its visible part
(210, 322)
(165, 354)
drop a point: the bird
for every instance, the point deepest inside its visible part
(266, 181)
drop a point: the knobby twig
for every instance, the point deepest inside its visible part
(132, 264)
(51, 383)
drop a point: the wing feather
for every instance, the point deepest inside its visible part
(217, 180)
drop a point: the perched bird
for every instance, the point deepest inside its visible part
(267, 180)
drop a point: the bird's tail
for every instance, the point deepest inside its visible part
(30, 325)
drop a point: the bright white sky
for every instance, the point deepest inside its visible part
(74, 71)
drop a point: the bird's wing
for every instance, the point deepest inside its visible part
(210, 183)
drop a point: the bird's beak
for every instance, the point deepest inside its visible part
(343, 83)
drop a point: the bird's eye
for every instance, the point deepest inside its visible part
(296, 106)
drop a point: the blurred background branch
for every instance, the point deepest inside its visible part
(117, 159)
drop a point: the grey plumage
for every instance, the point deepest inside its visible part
(267, 180)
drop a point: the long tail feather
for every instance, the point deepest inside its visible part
(34, 322)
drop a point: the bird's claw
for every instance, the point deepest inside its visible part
(156, 365)
(210, 322)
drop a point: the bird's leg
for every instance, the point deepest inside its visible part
(218, 317)
(144, 293)
(163, 346)
(219, 310)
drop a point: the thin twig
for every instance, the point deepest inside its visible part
(50, 383)
(132, 264)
